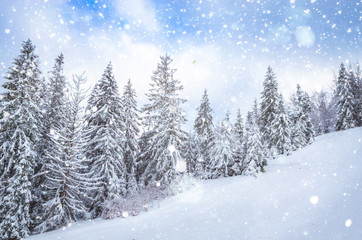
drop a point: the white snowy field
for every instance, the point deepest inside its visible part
(314, 194)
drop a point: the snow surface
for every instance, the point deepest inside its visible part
(314, 194)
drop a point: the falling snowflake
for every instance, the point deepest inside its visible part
(348, 222)
(314, 200)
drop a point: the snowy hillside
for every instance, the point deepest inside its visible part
(314, 194)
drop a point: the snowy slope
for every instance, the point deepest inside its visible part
(314, 194)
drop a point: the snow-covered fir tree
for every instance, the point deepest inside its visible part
(323, 112)
(203, 127)
(191, 154)
(345, 105)
(105, 140)
(222, 152)
(254, 152)
(65, 183)
(280, 135)
(302, 127)
(164, 117)
(268, 106)
(353, 75)
(19, 135)
(358, 94)
(238, 133)
(131, 131)
(54, 119)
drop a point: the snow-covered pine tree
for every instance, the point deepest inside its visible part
(280, 136)
(268, 106)
(256, 112)
(105, 140)
(254, 152)
(354, 79)
(53, 119)
(238, 133)
(358, 94)
(65, 184)
(248, 124)
(323, 113)
(346, 103)
(191, 153)
(203, 127)
(19, 135)
(222, 152)
(302, 128)
(131, 131)
(164, 117)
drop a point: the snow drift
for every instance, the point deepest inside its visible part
(314, 194)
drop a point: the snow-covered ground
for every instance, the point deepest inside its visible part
(314, 194)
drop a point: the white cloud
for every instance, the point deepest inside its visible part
(141, 12)
(305, 36)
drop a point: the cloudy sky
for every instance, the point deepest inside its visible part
(224, 46)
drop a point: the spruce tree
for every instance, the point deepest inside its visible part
(131, 131)
(302, 127)
(323, 113)
(254, 153)
(346, 103)
(19, 135)
(54, 119)
(65, 183)
(105, 141)
(164, 117)
(221, 153)
(203, 127)
(280, 137)
(358, 95)
(268, 106)
(191, 154)
(238, 134)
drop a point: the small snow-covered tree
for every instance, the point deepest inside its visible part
(19, 135)
(280, 136)
(268, 106)
(203, 127)
(358, 94)
(323, 112)
(164, 117)
(254, 156)
(131, 131)
(302, 127)
(191, 153)
(105, 140)
(346, 101)
(222, 152)
(238, 133)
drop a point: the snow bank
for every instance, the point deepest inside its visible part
(314, 194)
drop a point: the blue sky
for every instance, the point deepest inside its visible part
(224, 46)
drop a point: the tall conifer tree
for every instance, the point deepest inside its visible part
(268, 106)
(105, 141)
(131, 124)
(203, 127)
(281, 139)
(165, 117)
(19, 135)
